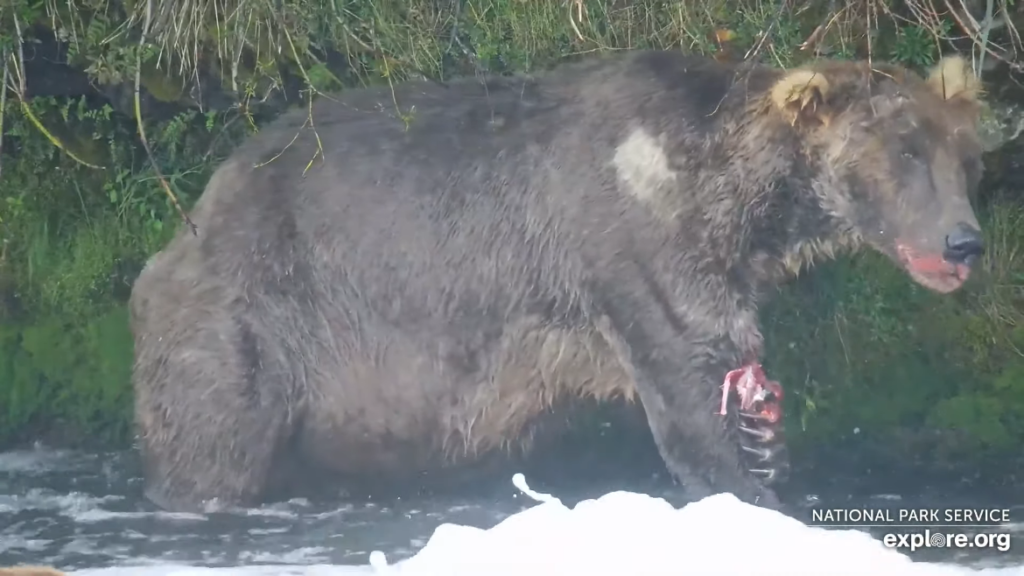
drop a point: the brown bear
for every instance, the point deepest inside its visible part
(404, 280)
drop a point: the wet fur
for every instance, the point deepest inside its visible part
(422, 296)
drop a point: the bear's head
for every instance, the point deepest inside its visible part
(893, 157)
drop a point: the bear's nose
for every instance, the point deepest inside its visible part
(964, 245)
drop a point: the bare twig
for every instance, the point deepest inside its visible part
(756, 49)
(21, 92)
(972, 33)
(3, 110)
(984, 34)
(312, 90)
(142, 128)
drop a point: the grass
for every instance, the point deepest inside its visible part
(856, 343)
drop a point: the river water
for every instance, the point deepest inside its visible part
(79, 510)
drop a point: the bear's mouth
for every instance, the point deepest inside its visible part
(932, 270)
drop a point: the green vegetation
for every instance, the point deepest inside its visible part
(922, 377)
(855, 342)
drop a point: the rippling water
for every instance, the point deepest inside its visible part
(84, 510)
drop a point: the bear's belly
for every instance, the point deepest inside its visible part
(404, 406)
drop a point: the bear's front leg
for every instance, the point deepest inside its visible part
(678, 377)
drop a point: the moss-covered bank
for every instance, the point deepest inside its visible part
(865, 354)
(73, 239)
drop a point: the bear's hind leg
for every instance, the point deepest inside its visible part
(213, 410)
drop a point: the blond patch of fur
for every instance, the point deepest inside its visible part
(30, 571)
(642, 166)
(799, 92)
(952, 77)
(536, 367)
(806, 253)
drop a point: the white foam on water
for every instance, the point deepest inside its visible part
(39, 460)
(99, 515)
(30, 544)
(68, 508)
(307, 555)
(73, 505)
(622, 533)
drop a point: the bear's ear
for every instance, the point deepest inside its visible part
(953, 79)
(801, 96)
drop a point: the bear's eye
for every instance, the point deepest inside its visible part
(912, 150)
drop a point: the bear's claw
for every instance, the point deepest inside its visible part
(760, 411)
(763, 453)
(762, 434)
(767, 474)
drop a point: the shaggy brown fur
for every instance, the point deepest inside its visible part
(424, 294)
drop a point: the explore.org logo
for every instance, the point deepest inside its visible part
(928, 539)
